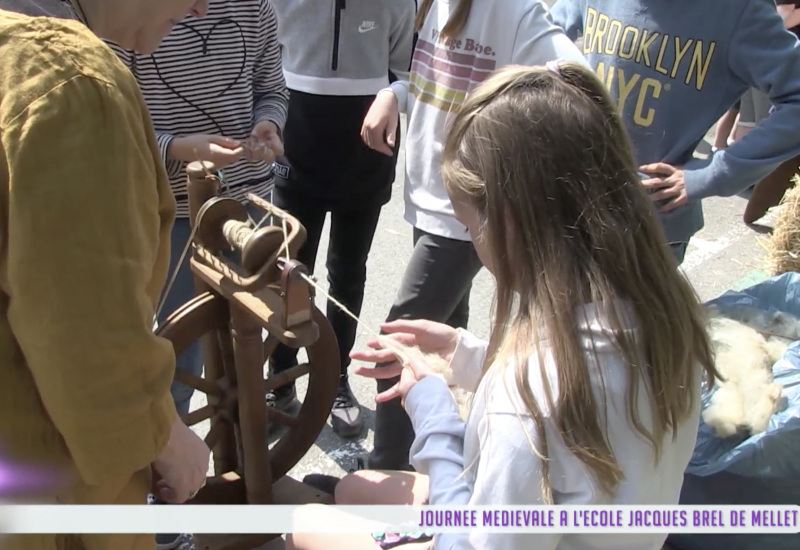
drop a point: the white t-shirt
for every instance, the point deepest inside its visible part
(494, 445)
(497, 33)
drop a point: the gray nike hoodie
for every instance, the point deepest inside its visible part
(342, 47)
(337, 55)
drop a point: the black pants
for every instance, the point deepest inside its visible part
(352, 232)
(679, 251)
(436, 286)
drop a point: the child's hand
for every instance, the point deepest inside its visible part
(265, 142)
(790, 15)
(667, 185)
(428, 336)
(411, 374)
(380, 124)
(220, 150)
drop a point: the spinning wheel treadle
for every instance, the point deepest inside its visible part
(235, 302)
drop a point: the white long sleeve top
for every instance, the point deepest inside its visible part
(494, 445)
(497, 33)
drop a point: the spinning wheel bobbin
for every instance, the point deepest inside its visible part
(224, 224)
(235, 302)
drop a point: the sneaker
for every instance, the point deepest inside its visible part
(175, 542)
(284, 398)
(346, 417)
(170, 541)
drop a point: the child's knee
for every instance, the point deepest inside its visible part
(382, 487)
(352, 488)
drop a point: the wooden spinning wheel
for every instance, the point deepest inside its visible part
(236, 301)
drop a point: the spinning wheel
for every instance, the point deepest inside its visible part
(235, 302)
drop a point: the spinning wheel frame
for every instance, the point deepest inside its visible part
(234, 304)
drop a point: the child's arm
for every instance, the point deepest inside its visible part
(508, 472)
(400, 91)
(401, 45)
(382, 120)
(269, 85)
(568, 14)
(765, 56)
(466, 364)
(540, 40)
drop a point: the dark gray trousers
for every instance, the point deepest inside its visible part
(436, 286)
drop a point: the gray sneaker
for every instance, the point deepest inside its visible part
(171, 541)
(346, 416)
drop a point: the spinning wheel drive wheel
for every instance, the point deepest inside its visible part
(208, 316)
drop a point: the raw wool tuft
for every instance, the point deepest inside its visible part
(747, 397)
(783, 247)
(406, 354)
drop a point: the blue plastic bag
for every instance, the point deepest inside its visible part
(776, 452)
(751, 470)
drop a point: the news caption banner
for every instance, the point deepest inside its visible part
(246, 519)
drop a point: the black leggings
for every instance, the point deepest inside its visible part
(352, 232)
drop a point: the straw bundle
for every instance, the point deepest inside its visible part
(783, 247)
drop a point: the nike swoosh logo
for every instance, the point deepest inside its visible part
(362, 30)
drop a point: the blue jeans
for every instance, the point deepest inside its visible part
(182, 291)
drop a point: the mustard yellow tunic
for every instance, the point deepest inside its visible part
(85, 218)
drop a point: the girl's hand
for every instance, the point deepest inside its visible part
(380, 124)
(222, 151)
(264, 143)
(409, 375)
(428, 336)
(790, 15)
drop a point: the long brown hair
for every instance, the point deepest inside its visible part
(454, 25)
(544, 158)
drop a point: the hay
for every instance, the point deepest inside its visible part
(783, 247)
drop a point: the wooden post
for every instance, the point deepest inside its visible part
(202, 185)
(248, 348)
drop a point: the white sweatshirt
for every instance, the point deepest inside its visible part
(496, 442)
(497, 33)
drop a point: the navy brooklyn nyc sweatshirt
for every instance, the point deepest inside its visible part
(675, 66)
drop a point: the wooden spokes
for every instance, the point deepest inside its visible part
(207, 317)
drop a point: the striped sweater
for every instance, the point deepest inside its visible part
(497, 33)
(217, 75)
